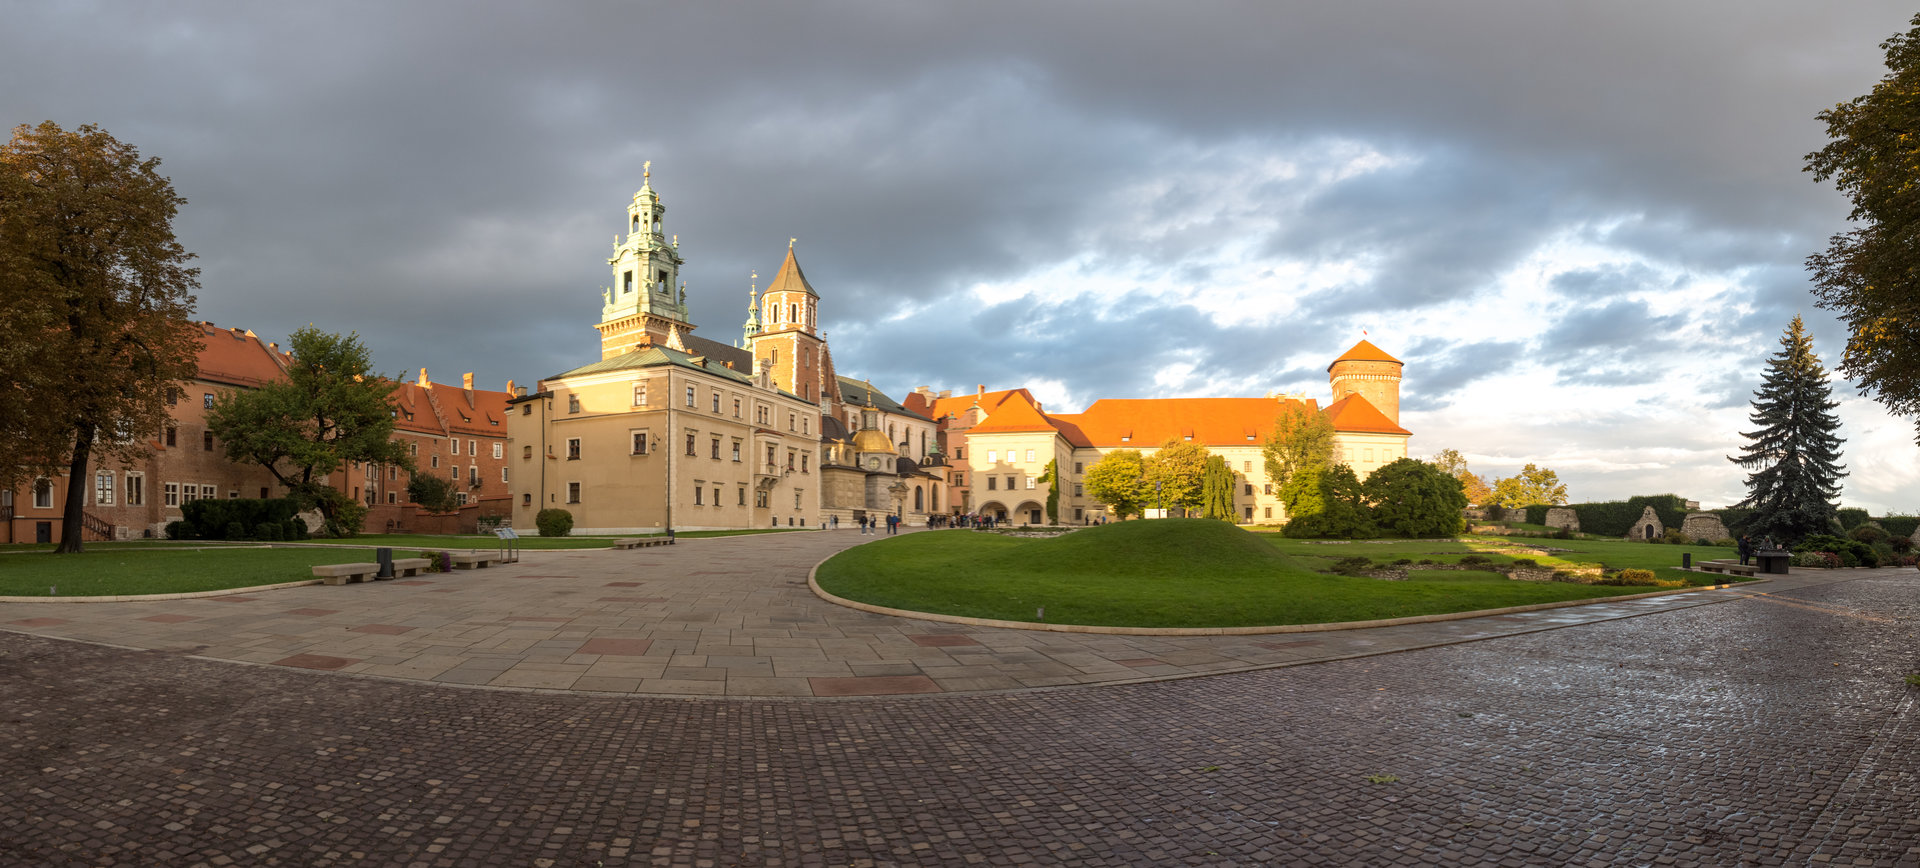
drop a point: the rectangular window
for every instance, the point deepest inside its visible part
(791, 423)
(736, 414)
(1029, 456)
(573, 449)
(453, 473)
(1266, 511)
(698, 494)
(526, 452)
(789, 459)
(993, 456)
(805, 426)
(206, 441)
(690, 397)
(1249, 489)
(716, 497)
(456, 446)
(743, 497)
(1077, 491)
(136, 490)
(460, 498)
(1249, 511)
(626, 281)
(796, 498)
(716, 449)
(503, 474)
(1077, 468)
(690, 446)
(959, 452)
(573, 403)
(207, 492)
(1246, 467)
(170, 494)
(173, 435)
(803, 461)
(958, 479)
(207, 400)
(1030, 482)
(497, 447)
(716, 402)
(474, 450)
(473, 475)
(392, 497)
(736, 450)
(573, 492)
(103, 489)
(639, 442)
(639, 394)
(993, 483)
(1266, 488)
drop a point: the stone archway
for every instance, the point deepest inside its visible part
(994, 509)
(1031, 513)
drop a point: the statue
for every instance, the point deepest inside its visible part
(606, 296)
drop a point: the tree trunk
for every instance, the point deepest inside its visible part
(70, 522)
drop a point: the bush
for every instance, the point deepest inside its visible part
(1352, 566)
(434, 559)
(1852, 553)
(432, 493)
(1900, 525)
(1726, 542)
(178, 530)
(1325, 503)
(1525, 563)
(1851, 517)
(234, 519)
(1822, 560)
(267, 531)
(1475, 560)
(1636, 578)
(1674, 536)
(1900, 544)
(1868, 534)
(554, 522)
(1415, 499)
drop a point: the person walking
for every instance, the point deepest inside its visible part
(1746, 549)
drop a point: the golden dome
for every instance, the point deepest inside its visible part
(872, 440)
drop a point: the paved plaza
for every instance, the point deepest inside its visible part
(1762, 725)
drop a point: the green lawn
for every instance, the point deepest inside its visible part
(1164, 573)
(117, 572)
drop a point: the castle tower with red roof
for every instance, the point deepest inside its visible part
(1367, 371)
(788, 340)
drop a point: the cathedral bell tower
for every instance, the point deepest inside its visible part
(647, 302)
(787, 336)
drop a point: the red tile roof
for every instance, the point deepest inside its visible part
(959, 404)
(1364, 352)
(1148, 422)
(1356, 414)
(1012, 415)
(237, 357)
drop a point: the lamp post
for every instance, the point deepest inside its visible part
(1160, 490)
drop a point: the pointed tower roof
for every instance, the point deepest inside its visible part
(1364, 352)
(790, 279)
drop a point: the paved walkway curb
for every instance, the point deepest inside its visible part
(185, 595)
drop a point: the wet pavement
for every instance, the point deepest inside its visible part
(1761, 729)
(729, 616)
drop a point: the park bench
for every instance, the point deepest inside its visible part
(340, 574)
(642, 542)
(472, 561)
(1729, 567)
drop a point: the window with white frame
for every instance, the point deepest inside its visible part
(1029, 456)
(690, 397)
(456, 446)
(208, 492)
(503, 474)
(639, 442)
(103, 488)
(498, 449)
(573, 492)
(993, 456)
(474, 450)
(136, 489)
(170, 494)
(639, 394)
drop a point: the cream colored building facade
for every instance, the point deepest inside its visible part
(1003, 440)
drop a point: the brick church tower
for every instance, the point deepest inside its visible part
(1367, 371)
(788, 340)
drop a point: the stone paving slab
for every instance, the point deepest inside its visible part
(722, 616)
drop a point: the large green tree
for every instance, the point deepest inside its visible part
(1325, 502)
(95, 297)
(1532, 485)
(1174, 472)
(1870, 275)
(1117, 481)
(1302, 437)
(1794, 454)
(1216, 490)
(330, 410)
(1416, 499)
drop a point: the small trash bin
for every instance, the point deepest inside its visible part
(385, 557)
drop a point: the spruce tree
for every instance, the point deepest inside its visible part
(1795, 453)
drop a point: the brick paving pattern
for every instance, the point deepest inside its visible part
(1762, 730)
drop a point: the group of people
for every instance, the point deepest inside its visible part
(868, 524)
(1748, 546)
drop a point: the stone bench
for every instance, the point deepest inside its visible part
(340, 574)
(1728, 567)
(642, 542)
(472, 561)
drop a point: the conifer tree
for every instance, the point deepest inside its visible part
(1794, 455)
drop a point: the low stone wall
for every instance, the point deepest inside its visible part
(1563, 518)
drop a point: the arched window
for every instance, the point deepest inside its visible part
(919, 499)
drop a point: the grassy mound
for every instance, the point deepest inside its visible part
(1162, 573)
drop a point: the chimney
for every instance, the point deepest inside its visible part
(982, 393)
(466, 381)
(275, 345)
(424, 382)
(946, 393)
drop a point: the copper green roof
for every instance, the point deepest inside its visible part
(655, 356)
(858, 393)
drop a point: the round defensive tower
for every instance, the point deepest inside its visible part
(1367, 371)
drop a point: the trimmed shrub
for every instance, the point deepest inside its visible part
(178, 530)
(1900, 525)
(1636, 578)
(1525, 563)
(235, 519)
(554, 522)
(1851, 517)
(1352, 566)
(1475, 561)
(1868, 534)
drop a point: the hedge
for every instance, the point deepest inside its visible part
(238, 519)
(1899, 525)
(1617, 517)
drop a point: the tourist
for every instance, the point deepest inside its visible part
(1746, 549)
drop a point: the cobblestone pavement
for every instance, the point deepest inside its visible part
(1763, 730)
(726, 616)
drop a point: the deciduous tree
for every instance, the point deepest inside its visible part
(1532, 485)
(1452, 463)
(1325, 502)
(331, 409)
(95, 295)
(1794, 454)
(1302, 437)
(1868, 275)
(1173, 474)
(1416, 499)
(1117, 480)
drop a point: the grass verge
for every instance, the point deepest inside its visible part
(1163, 573)
(107, 572)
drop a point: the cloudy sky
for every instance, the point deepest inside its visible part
(1581, 225)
